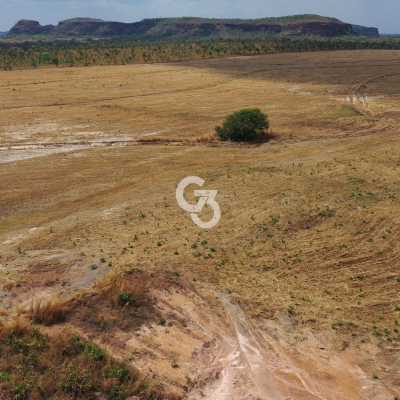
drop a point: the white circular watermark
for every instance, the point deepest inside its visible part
(206, 196)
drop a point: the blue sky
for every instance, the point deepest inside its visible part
(383, 14)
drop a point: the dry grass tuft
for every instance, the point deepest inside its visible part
(207, 138)
(210, 138)
(8, 286)
(20, 326)
(112, 285)
(49, 312)
(161, 139)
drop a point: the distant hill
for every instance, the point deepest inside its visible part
(191, 28)
(390, 34)
(364, 31)
(3, 33)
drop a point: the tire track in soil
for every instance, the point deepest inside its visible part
(283, 371)
(355, 91)
(85, 145)
(200, 87)
(263, 361)
(186, 69)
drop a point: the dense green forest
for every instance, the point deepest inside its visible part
(89, 52)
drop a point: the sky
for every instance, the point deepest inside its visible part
(383, 14)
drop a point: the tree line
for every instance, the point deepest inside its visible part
(90, 52)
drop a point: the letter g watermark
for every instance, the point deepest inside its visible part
(206, 196)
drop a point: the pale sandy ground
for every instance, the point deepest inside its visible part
(221, 353)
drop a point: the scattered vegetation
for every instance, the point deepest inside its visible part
(34, 365)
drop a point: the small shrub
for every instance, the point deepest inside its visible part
(334, 324)
(118, 371)
(243, 125)
(174, 363)
(75, 383)
(124, 298)
(97, 353)
(55, 61)
(20, 391)
(4, 377)
(117, 393)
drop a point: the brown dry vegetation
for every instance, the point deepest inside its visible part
(48, 312)
(304, 95)
(33, 365)
(310, 221)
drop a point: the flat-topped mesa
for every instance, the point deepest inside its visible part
(365, 31)
(188, 27)
(82, 27)
(30, 27)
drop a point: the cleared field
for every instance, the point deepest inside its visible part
(307, 246)
(304, 95)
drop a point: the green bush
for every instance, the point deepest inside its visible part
(243, 125)
(126, 297)
(92, 349)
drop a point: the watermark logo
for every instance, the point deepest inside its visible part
(206, 196)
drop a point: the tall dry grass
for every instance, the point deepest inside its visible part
(166, 139)
(49, 311)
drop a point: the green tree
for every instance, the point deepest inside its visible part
(243, 125)
(6, 64)
(45, 56)
(55, 61)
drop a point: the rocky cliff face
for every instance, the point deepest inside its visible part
(30, 27)
(193, 27)
(364, 31)
(326, 29)
(82, 28)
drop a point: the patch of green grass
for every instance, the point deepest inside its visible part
(350, 111)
